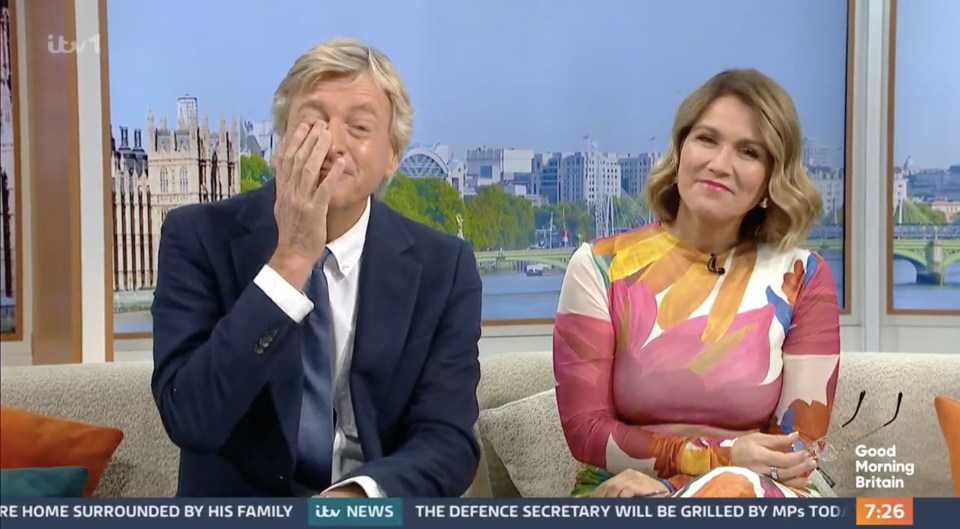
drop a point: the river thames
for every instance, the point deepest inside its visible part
(515, 296)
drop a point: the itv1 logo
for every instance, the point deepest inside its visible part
(355, 512)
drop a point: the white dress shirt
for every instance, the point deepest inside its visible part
(343, 279)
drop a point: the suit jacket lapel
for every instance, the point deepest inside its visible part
(250, 251)
(389, 281)
(256, 245)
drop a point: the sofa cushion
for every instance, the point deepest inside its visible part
(526, 435)
(51, 482)
(508, 377)
(948, 412)
(115, 394)
(33, 440)
(915, 434)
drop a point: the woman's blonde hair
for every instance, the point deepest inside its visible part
(348, 56)
(793, 202)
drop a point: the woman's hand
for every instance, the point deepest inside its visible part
(631, 484)
(772, 455)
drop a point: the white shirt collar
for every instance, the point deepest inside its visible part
(347, 248)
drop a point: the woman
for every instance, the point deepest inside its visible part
(703, 349)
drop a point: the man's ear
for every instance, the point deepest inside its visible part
(394, 164)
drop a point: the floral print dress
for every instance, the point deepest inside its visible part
(660, 363)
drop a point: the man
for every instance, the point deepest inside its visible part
(307, 339)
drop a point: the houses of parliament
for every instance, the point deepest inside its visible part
(164, 169)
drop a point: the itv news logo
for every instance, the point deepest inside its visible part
(350, 512)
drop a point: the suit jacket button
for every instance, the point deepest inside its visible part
(258, 350)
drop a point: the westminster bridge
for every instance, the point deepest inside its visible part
(930, 248)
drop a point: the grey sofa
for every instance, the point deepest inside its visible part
(524, 451)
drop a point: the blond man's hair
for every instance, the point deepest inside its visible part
(793, 202)
(348, 56)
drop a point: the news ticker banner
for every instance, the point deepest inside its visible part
(183, 513)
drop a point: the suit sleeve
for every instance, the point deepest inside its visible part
(209, 365)
(584, 342)
(440, 455)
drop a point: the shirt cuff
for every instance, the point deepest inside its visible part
(290, 300)
(369, 486)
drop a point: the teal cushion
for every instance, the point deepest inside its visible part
(52, 482)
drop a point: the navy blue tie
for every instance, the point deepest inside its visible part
(317, 416)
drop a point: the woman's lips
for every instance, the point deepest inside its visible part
(714, 185)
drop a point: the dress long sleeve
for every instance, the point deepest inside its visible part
(811, 351)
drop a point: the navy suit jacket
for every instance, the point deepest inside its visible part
(228, 375)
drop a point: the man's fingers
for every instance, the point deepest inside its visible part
(329, 183)
(310, 176)
(291, 144)
(302, 155)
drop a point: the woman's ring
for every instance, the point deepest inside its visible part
(775, 473)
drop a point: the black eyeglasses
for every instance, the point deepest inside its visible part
(824, 451)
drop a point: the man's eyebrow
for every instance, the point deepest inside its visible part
(360, 107)
(364, 107)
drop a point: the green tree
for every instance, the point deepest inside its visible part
(496, 219)
(576, 218)
(441, 203)
(491, 219)
(935, 216)
(403, 197)
(254, 172)
(427, 200)
(919, 213)
(486, 219)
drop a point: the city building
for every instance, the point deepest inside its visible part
(546, 175)
(166, 169)
(830, 184)
(817, 153)
(186, 111)
(634, 171)
(434, 161)
(590, 177)
(493, 166)
(258, 138)
(950, 208)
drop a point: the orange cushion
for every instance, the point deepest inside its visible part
(948, 411)
(31, 440)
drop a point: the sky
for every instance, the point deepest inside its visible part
(927, 90)
(536, 74)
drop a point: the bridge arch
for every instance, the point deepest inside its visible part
(552, 261)
(916, 258)
(556, 257)
(950, 257)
